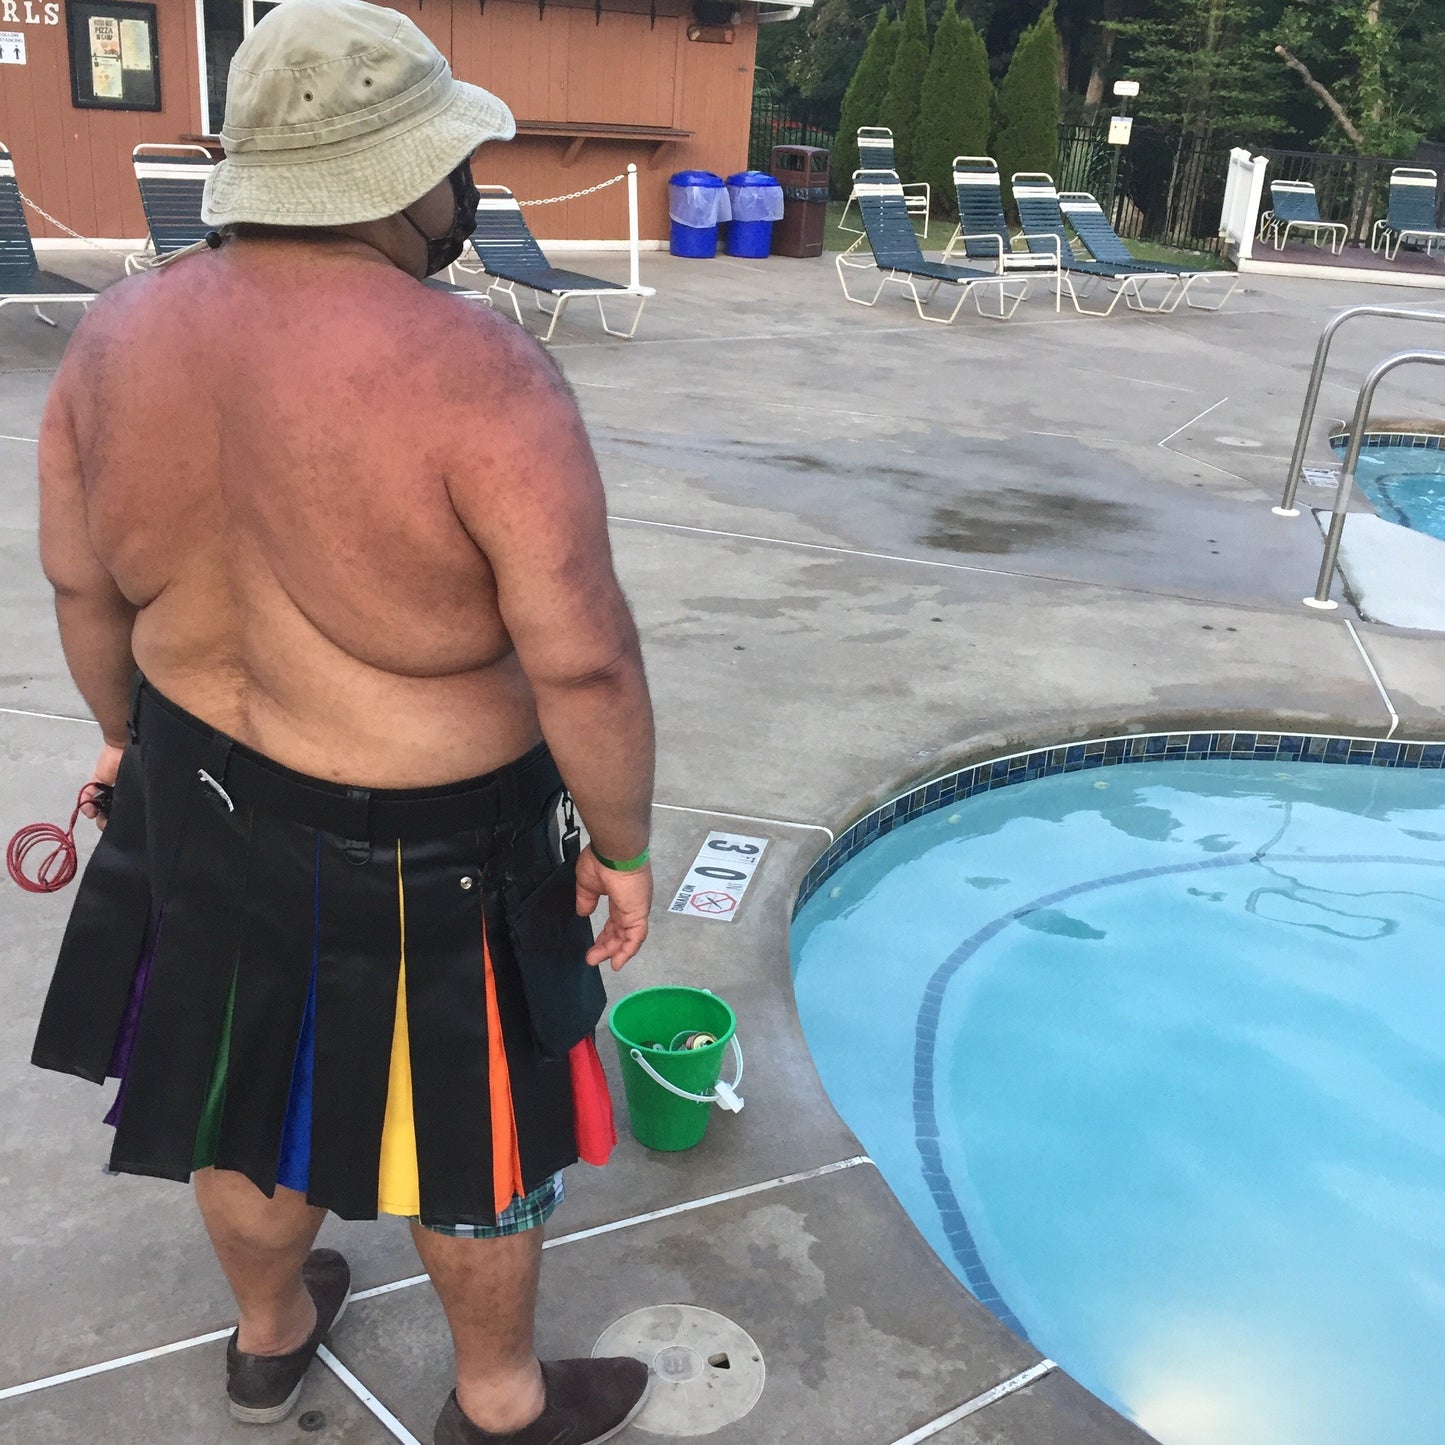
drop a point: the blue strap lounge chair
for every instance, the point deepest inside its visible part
(510, 255)
(1294, 206)
(1104, 244)
(982, 232)
(1411, 220)
(21, 279)
(875, 153)
(171, 179)
(1041, 215)
(895, 255)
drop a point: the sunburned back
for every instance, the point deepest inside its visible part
(265, 435)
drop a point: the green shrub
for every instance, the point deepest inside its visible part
(863, 100)
(1028, 131)
(905, 88)
(957, 106)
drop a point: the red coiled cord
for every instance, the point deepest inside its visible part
(57, 867)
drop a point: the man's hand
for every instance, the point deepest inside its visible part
(107, 765)
(629, 898)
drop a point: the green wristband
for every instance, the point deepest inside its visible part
(624, 865)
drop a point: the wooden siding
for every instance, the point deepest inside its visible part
(563, 65)
(74, 162)
(555, 62)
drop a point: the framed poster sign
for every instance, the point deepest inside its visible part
(114, 59)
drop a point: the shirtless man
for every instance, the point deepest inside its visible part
(350, 532)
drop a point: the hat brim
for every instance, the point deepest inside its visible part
(300, 188)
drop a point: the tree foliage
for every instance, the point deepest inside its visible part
(863, 100)
(1204, 67)
(1208, 67)
(1352, 53)
(836, 33)
(956, 108)
(905, 88)
(1028, 131)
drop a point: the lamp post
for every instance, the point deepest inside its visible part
(1120, 127)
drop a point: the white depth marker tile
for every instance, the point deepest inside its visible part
(719, 876)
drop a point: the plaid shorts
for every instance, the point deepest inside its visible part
(526, 1211)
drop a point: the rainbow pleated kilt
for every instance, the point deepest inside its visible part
(378, 998)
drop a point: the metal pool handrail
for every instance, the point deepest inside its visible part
(1287, 507)
(1321, 598)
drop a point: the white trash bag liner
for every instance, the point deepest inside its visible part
(757, 203)
(698, 206)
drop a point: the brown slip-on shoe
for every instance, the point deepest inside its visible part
(588, 1401)
(262, 1389)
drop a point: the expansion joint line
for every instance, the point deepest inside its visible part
(687, 1206)
(746, 818)
(979, 1402)
(1164, 442)
(1375, 678)
(384, 1417)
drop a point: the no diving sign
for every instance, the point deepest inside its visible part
(719, 877)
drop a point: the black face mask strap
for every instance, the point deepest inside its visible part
(412, 222)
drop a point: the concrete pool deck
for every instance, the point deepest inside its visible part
(861, 550)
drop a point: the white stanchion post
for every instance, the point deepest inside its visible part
(634, 245)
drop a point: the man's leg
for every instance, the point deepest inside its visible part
(261, 1244)
(488, 1288)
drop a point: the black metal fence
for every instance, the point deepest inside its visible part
(1170, 188)
(1352, 189)
(782, 123)
(1162, 186)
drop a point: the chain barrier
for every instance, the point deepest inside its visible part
(575, 195)
(60, 225)
(545, 201)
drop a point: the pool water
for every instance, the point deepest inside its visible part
(1405, 485)
(1154, 1056)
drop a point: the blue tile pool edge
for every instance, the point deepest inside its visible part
(1043, 762)
(1409, 440)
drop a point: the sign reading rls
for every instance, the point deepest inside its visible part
(29, 12)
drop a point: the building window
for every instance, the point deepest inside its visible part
(223, 25)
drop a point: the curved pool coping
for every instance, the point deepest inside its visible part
(1198, 745)
(990, 773)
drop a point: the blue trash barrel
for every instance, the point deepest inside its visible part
(696, 202)
(756, 201)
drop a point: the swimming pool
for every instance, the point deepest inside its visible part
(1154, 1056)
(1404, 482)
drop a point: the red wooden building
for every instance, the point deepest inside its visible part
(594, 84)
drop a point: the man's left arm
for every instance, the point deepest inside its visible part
(95, 618)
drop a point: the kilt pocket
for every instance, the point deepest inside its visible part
(565, 994)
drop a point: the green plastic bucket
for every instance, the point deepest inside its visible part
(670, 1092)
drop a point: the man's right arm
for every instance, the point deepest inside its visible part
(532, 499)
(94, 617)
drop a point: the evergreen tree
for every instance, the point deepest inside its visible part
(1204, 68)
(1028, 130)
(863, 100)
(957, 106)
(905, 88)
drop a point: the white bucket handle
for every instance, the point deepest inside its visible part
(724, 1095)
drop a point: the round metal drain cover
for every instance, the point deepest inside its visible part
(707, 1371)
(1238, 442)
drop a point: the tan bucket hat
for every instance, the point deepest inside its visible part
(340, 111)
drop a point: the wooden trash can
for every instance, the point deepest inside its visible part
(803, 174)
